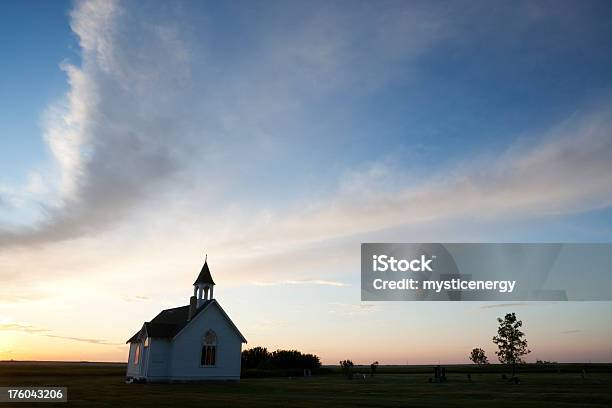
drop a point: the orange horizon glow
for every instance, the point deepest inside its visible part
(56, 350)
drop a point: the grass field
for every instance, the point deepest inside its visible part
(102, 385)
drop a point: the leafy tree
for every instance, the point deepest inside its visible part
(479, 357)
(255, 357)
(510, 341)
(347, 368)
(373, 367)
(259, 357)
(287, 359)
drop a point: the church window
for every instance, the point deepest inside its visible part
(209, 349)
(137, 354)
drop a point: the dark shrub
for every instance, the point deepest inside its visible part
(255, 357)
(260, 358)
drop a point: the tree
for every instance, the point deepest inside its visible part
(373, 367)
(261, 358)
(287, 359)
(510, 341)
(479, 357)
(347, 368)
(254, 357)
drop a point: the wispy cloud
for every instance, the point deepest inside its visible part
(85, 340)
(22, 327)
(504, 305)
(517, 304)
(136, 298)
(568, 171)
(348, 309)
(20, 296)
(27, 328)
(301, 282)
(571, 331)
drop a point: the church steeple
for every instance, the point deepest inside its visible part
(203, 285)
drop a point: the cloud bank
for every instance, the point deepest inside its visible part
(117, 136)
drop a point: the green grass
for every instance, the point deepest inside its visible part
(102, 385)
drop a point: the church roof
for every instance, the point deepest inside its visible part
(169, 322)
(204, 276)
(160, 329)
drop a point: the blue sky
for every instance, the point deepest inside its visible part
(278, 136)
(35, 39)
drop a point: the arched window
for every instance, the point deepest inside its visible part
(137, 354)
(209, 349)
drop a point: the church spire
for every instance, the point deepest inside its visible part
(203, 285)
(205, 276)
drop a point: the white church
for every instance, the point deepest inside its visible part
(196, 342)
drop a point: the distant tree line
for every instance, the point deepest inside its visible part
(261, 358)
(541, 362)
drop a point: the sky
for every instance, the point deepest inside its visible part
(276, 137)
